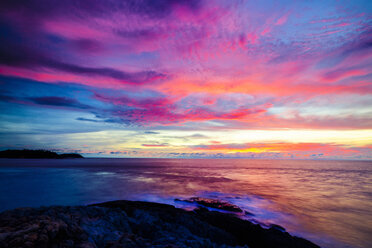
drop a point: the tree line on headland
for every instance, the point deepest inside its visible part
(25, 153)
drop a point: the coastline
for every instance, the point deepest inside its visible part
(136, 224)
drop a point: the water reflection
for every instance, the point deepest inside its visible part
(328, 202)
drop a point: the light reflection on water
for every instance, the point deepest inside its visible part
(328, 202)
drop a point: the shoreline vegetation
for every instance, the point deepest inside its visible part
(25, 153)
(139, 224)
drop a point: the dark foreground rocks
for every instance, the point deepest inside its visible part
(135, 224)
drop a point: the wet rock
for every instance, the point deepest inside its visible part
(248, 213)
(213, 203)
(252, 234)
(201, 209)
(277, 227)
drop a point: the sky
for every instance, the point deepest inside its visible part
(187, 78)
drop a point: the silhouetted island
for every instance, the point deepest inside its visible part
(137, 224)
(25, 153)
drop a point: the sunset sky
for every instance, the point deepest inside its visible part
(212, 78)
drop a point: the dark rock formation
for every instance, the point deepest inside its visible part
(36, 154)
(136, 224)
(277, 227)
(248, 213)
(213, 203)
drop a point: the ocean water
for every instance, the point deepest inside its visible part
(327, 202)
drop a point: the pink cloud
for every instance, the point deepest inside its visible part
(282, 20)
(343, 73)
(154, 145)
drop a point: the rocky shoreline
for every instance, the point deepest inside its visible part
(137, 224)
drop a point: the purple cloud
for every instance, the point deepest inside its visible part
(19, 55)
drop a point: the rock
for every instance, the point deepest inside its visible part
(251, 234)
(277, 227)
(135, 224)
(201, 209)
(213, 203)
(248, 213)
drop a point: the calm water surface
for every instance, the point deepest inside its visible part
(328, 202)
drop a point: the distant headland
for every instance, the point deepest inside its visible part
(25, 153)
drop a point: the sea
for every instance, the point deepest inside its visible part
(326, 202)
